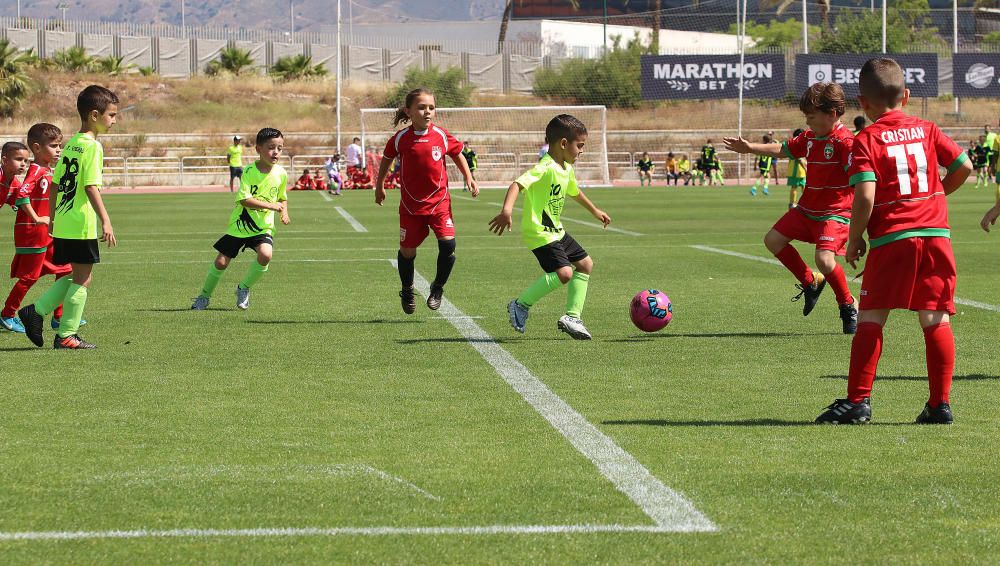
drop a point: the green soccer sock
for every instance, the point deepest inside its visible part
(211, 281)
(53, 297)
(541, 287)
(577, 294)
(76, 299)
(254, 274)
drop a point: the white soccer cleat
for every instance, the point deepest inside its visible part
(200, 304)
(242, 298)
(574, 327)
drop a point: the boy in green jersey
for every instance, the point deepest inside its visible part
(251, 224)
(546, 186)
(234, 156)
(76, 207)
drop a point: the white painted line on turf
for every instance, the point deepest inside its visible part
(351, 220)
(325, 196)
(584, 222)
(333, 532)
(454, 317)
(772, 261)
(668, 508)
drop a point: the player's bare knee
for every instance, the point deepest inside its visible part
(408, 253)
(222, 262)
(585, 265)
(775, 242)
(564, 274)
(826, 261)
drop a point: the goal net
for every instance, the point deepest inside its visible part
(507, 140)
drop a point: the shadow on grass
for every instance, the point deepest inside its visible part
(182, 309)
(740, 422)
(372, 321)
(969, 377)
(19, 349)
(668, 335)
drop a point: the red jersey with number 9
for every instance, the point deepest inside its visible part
(424, 179)
(34, 190)
(902, 153)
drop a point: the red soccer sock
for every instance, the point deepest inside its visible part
(865, 352)
(838, 282)
(940, 344)
(16, 296)
(790, 258)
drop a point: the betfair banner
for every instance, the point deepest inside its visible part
(920, 70)
(712, 76)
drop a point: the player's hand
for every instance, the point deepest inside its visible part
(473, 188)
(855, 250)
(108, 235)
(284, 218)
(603, 217)
(501, 223)
(43, 220)
(991, 218)
(738, 144)
(278, 207)
(379, 195)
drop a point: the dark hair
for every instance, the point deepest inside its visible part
(12, 146)
(670, 154)
(767, 138)
(400, 116)
(564, 126)
(881, 82)
(266, 134)
(859, 122)
(305, 171)
(823, 97)
(798, 132)
(94, 97)
(356, 139)
(43, 134)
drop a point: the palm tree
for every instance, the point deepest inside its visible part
(232, 60)
(73, 59)
(113, 66)
(14, 81)
(297, 67)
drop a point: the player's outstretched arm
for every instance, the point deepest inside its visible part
(861, 213)
(383, 170)
(990, 219)
(107, 232)
(953, 180)
(463, 166)
(740, 145)
(598, 213)
(502, 222)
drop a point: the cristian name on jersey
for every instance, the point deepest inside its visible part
(423, 175)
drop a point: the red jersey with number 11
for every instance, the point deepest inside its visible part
(34, 189)
(902, 153)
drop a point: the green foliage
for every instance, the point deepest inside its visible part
(73, 60)
(147, 71)
(14, 81)
(907, 24)
(297, 67)
(113, 66)
(611, 80)
(775, 33)
(232, 61)
(992, 37)
(448, 86)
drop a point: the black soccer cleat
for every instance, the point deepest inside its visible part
(849, 316)
(33, 324)
(407, 300)
(843, 411)
(434, 297)
(810, 292)
(940, 415)
(73, 342)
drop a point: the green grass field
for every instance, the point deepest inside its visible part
(224, 436)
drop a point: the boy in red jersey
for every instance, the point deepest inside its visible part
(824, 211)
(424, 203)
(32, 242)
(14, 162)
(901, 201)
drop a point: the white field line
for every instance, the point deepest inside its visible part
(333, 532)
(325, 196)
(668, 508)
(772, 261)
(584, 222)
(351, 220)
(389, 477)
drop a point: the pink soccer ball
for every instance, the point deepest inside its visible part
(651, 310)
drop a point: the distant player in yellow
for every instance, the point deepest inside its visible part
(262, 192)
(764, 165)
(234, 154)
(796, 174)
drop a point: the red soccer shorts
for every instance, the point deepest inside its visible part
(414, 228)
(913, 273)
(34, 266)
(826, 234)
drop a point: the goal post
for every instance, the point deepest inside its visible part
(507, 139)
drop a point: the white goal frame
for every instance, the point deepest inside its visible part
(376, 127)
